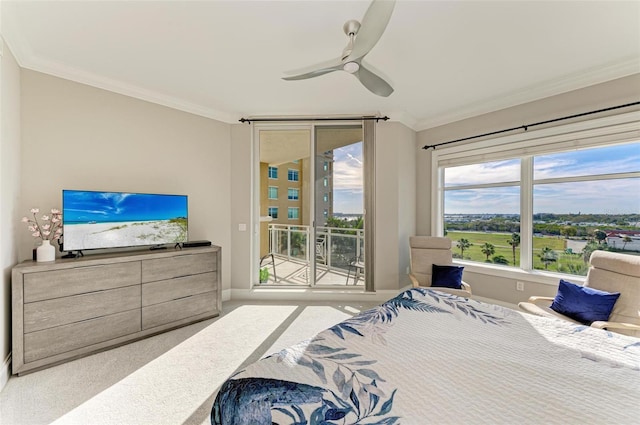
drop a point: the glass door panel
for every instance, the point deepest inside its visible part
(339, 206)
(284, 156)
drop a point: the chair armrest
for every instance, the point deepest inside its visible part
(615, 325)
(414, 281)
(466, 287)
(540, 300)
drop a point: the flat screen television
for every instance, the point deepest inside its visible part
(97, 220)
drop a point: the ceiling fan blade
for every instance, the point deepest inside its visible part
(373, 82)
(373, 24)
(314, 70)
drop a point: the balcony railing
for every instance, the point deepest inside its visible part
(334, 248)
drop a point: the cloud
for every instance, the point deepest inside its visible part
(495, 200)
(347, 168)
(348, 180)
(618, 196)
(487, 172)
(554, 167)
(603, 197)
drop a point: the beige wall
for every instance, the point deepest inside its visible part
(600, 96)
(407, 192)
(9, 191)
(395, 208)
(241, 204)
(78, 137)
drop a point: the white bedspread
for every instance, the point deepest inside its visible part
(428, 357)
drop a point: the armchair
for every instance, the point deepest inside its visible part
(425, 251)
(610, 272)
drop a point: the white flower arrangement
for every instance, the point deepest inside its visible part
(48, 228)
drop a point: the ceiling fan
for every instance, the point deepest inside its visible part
(362, 38)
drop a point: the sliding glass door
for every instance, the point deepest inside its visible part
(310, 181)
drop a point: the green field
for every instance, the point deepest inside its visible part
(499, 241)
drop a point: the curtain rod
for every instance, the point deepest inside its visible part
(365, 118)
(525, 127)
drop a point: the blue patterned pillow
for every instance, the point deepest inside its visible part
(447, 276)
(584, 304)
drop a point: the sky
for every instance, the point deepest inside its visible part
(105, 207)
(619, 196)
(347, 179)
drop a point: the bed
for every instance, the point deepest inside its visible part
(429, 357)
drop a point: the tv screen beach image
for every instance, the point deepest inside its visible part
(93, 220)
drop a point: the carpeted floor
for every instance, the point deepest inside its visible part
(170, 378)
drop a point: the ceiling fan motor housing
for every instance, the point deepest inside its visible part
(351, 27)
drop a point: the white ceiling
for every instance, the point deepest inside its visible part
(447, 60)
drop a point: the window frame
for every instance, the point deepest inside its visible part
(269, 172)
(269, 189)
(611, 130)
(294, 172)
(297, 194)
(269, 209)
(290, 209)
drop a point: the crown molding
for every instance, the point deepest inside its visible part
(539, 91)
(404, 118)
(26, 59)
(120, 87)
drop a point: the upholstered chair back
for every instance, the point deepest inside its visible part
(613, 272)
(427, 251)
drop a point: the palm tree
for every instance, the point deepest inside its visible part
(488, 249)
(626, 239)
(514, 242)
(463, 244)
(600, 236)
(548, 255)
(499, 259)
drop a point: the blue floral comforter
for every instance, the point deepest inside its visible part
(429, 357)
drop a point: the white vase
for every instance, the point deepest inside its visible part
(45, 252)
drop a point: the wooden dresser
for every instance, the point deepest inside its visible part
(74, 307)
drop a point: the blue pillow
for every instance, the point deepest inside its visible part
(584, 304)
(447, 276)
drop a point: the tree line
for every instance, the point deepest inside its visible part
(566, 225)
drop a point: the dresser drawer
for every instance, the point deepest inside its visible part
(180, 265)
(61, 339)
(63, 283)
(180, 287)
(172, 311)
(61, 311)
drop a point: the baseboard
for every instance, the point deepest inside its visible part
(308, 294)
(5, 373)
(226, 295)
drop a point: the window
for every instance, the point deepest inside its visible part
(325, 197)
(325, 213)
(582, 201)
(273, 172)
(293, 194)
(293, 213)
(273, 212)
(293, 175)
(296, 161)
(540, 205)
(273, 192)
(325, 182)
(325, 166)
